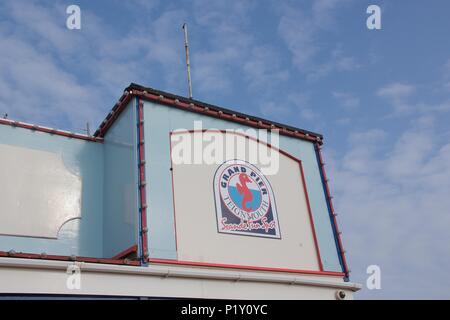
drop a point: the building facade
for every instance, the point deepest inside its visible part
(155, 205)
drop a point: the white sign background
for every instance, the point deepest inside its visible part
(196, 228)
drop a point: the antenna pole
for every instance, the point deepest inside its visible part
(186, 47)
(88, 129)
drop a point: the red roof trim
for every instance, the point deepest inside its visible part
(63, 133)
(197, 108)
(333, 213)
(43, 256)
(123, 254)
(242, 267)
(113, 115)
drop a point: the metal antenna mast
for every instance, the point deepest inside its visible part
(186, 47)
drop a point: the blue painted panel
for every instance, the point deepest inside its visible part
(304, 151)
(120, 226)
(160, 214)
(82, 237)
(160, 121)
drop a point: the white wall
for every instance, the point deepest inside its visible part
(198, 239)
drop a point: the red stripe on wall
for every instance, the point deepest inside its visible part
(244, 267)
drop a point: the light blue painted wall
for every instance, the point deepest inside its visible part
(121, 224)
(160, 215)
(108, 171)
(82, 237)
(110, 211)
(304, 151)
(159, 122)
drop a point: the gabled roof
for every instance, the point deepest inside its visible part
(192, 105)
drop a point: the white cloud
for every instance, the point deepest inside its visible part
(139, 5)
(396, 91)
(221, 28)
(300, 30)
(325, 10)
(338, 61)
(262, 69)
(34, 21)
(294, 106)
(211, 72)
(98, 61)
(162, 43)
(393, 203)
(397, 95)
(447, 67)
(275, 110)
(60, 77)
(343, 121)
(347, 100)
(229, 50)
(409, 155)
(365, 146)
(446, 76)
(308, 114)
(300, 102)
(34, 89)
(446, 86)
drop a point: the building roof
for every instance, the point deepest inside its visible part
(176, 101)
(193, 105)
(53, 131)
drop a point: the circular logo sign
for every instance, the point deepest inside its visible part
(244, 191)
(245, 202)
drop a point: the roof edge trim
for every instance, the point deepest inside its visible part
(192, 105)
(48, 130)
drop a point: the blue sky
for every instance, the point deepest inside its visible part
(380, 97)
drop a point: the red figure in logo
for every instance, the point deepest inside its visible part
(243, 189)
